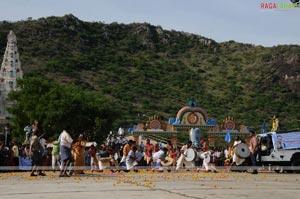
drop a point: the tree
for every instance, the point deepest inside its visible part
(57, 106)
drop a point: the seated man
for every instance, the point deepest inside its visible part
(159, 157)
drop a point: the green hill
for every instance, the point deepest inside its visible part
(144, 69)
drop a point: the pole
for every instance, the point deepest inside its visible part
(5, 138)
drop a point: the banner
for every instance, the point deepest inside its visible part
(286, 140)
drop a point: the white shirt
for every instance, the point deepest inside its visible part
(184, 150)
(226, 153)
(131, 155)
(65, 139)
(157, 156)
(131, 160)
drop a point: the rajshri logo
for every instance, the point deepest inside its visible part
(273, 5)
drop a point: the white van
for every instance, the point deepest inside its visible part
(280, 150)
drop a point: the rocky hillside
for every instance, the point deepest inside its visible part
(147, 70)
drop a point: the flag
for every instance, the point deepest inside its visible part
(263, 127)
(249, 128)
(227, 136)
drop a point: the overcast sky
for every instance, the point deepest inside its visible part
(222, 20)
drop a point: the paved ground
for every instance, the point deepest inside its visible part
(151, 185)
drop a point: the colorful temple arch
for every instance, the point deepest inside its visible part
(188, 119)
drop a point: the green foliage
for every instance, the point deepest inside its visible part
(58, 106)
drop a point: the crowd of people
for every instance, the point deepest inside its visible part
(72, 155)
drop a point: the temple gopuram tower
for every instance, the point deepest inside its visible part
(10, 72)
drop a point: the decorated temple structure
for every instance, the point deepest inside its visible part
(188, 117)
(10, 72)
(192, 116)
(229, 127)
(195, 122)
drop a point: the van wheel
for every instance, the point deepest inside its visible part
(296, 166)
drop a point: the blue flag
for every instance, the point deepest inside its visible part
(227, 136)
(263, 127)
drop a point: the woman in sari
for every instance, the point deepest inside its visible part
(79, 157)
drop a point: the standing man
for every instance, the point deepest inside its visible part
(275, 124)
(92, 152)
(182, 159)
(204, 144)
(15, 150)
(235, 159)
(131, 159)
(126, 149)
(65, 150)
(149, 151)
(36, 154)
(253, 147)
(208, 163)
(7, 134)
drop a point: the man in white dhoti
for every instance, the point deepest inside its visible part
(208, 164)
(131, 158)
(235, 159)
(182, 159)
